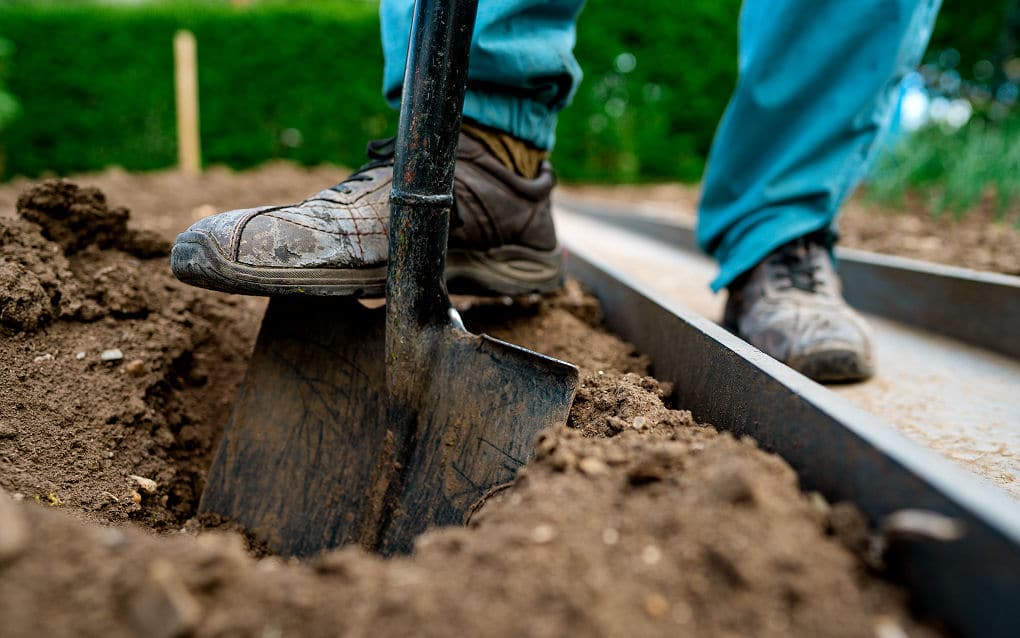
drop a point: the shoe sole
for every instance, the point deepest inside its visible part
(834, 365)
(507, 270)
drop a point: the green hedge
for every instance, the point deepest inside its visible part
(96, 86)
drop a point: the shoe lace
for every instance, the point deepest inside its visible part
(795, 267)
(380, 153)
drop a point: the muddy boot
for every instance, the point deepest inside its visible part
(502, 239)
(791, 307)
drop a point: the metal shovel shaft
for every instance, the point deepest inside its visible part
(422, 194)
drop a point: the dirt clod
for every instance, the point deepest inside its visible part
(162, 606)
(13, 530)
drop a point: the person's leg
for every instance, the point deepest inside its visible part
(817, 83)
(522, 70)
(502, 239)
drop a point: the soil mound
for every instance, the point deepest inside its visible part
(75, 217)
(631, 520)
(103, 362)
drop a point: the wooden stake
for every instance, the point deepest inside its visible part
(189, 151)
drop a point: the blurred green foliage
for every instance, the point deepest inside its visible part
(983, 30)
(657, 78)
(281, 80)
(954, 171)
(303, 81)
(9, 107)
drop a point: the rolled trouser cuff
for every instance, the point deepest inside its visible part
(754, 237)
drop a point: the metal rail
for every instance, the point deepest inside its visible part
(979, 308)
(842, 452)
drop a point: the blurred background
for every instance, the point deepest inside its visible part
(85, 85)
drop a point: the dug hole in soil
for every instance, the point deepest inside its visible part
(632, 519)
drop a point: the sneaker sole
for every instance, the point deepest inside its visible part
(834, 365)
(507, 270)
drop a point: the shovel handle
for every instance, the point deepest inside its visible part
(435, 79)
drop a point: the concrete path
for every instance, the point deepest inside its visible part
(961, 401)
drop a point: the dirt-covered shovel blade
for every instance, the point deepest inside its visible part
(344, 431)
(465, 408)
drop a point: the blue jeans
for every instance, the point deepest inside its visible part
(818, 81)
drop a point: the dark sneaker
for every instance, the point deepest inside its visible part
(502, 239)
(791, 307)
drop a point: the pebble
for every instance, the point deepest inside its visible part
(887, 627)
(162, 607)
(135, 367)
(113, 354)
(43, 357)
(639, 423)
(79, 355)
(147, 484)
(651, 555)
(13, 530)
(542, 534)
(819, 503)
(656, 605)
(593, 466)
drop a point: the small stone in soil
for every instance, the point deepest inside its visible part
(113, 354)
(656, 605)
(651, 555)
(79, 355)
(543, 534)
(147, 484)
(135, 367)
(592, 466)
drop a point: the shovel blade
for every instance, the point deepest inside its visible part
(315, 455)
(473, 418)
(307, 440)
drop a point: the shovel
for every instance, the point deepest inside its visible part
(362, 425)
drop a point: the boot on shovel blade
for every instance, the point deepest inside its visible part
(368, 426)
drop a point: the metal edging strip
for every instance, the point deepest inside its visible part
(975, 307)
(846, 454)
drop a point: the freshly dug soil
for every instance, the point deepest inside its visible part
(632, 519)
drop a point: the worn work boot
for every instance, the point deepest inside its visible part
(502, 239)
(791, 307)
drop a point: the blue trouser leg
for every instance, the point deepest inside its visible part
(818, 80)
(522, 70)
